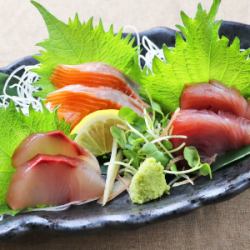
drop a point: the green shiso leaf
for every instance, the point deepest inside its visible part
(200, 55)
(77, 43)
(15, 127)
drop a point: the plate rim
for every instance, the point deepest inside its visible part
(25, 223)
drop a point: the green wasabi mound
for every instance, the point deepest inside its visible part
(148, 183)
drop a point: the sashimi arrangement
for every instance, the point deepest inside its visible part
(95, 118)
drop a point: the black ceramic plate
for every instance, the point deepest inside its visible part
(120, 212)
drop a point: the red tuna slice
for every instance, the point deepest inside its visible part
(76, 101)
(51, 143)
(94, 74)
(212, 134)
(53, 180)
(215, 97)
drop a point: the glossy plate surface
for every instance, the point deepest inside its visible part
(120, 212)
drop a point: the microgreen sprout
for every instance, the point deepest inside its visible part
(192, 157)
(151, 136)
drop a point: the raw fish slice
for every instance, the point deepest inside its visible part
(53, 180)
(212, 134)
(94, 74)
(52, 143)
(77, 101)
(215, 97)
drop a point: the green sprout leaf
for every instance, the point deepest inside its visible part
(192, 157)
(132, 156)
(205, 170)
(165, 121)
(157, 108)
(167, 144)
(135, 141)
(150, 150)
(173, 168)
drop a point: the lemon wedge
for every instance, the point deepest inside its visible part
(93, 131)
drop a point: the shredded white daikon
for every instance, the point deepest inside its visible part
(21, 80)
(151, 50)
